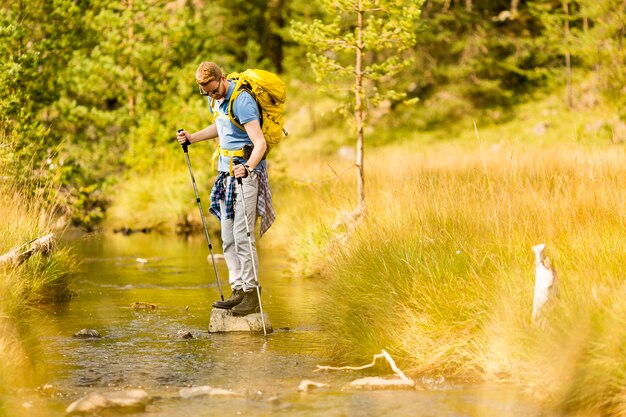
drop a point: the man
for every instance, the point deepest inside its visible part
(236, 161)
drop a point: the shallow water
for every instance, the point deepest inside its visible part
(136, 352)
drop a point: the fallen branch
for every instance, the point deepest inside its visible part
(17, 256)
(383, 354)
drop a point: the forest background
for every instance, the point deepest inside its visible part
(93, 92)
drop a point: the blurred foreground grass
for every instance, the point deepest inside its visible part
(38, 282)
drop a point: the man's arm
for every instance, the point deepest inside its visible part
(209, 132)
(253, 129)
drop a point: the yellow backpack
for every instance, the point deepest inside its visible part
(270, 94)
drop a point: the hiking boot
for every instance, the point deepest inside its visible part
(249, 304)
(235, 298)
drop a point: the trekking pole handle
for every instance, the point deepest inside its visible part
(239, 180)
(187, 143)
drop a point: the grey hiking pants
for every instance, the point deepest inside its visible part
(239, 258)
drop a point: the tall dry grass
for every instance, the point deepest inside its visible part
(39, 281)
(441, 273)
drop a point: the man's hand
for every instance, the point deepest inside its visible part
(240, 171)
(183, 137)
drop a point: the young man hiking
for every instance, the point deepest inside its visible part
(241, 155)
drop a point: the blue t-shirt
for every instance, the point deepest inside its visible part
(231, 137)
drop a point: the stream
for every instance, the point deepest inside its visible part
(136, 352)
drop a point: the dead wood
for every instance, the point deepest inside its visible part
(16, 256)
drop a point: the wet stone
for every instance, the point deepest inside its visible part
(223, 321)
(134, 400)
(376, 383)
(144, 306)
(48, 390)
(307, 385)
(87, 334)
(206, 390)
(181, 334)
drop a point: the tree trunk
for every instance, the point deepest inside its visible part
(568, 63)
(426, 10)
(514, 6)
(359, 112)
(275, 24)
(131, 39)
(468, 6)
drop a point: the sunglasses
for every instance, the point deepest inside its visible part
(212, 92)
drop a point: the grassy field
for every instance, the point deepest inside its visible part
(441, 273)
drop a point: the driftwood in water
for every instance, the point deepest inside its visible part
(383, 354)
(16, 256)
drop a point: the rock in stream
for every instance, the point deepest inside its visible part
(87, 334)
(223, 321)
(134, 400)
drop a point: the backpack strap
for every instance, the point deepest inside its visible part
(231, 114)
(212, 106)
(239, 87)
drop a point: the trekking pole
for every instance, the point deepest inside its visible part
(256, 276)
(206, 232)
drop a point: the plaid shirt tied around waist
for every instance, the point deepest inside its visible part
(264, 207)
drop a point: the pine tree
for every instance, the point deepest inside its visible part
(361, 41)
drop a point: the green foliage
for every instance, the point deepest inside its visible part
(489, 58)
(32, 51)
(388, 31)
(248, 32)
(602, 46)
(82, 79)
(482, 62)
